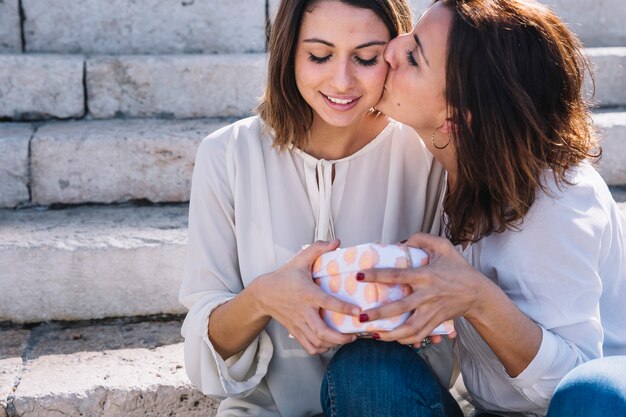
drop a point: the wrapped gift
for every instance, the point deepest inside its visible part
(335, 272)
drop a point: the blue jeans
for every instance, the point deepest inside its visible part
(370, 378)
(593, 389)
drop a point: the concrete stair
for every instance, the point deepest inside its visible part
(121, 367)
(102, 106)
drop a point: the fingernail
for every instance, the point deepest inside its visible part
(360, 276)
(363, 317)
(375, 336)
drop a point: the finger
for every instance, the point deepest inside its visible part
(309, 254)
(328, 302)
(429, 243)
(325, 334)
(410, 276)
(403, 305)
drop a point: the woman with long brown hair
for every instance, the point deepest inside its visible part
(537, 280)
(303, 170)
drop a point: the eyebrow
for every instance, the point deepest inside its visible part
(364, 45)
(421, 48)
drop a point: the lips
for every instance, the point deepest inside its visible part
(341, 103)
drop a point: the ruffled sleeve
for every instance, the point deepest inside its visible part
(212, 276)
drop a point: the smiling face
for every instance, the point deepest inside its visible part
(339, 65)
(415, 87)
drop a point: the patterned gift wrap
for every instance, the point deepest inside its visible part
(335, 272)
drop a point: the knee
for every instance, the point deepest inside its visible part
(366, 374)
(592, 389)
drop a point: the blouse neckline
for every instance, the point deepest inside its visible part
(365, 149)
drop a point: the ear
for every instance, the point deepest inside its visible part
(447, 127)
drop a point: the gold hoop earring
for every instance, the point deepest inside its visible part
(432, 140)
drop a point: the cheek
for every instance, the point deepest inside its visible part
(374, 78)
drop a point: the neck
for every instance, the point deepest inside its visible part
(446, 157)
(332, 142)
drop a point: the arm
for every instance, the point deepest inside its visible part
(548, 271)
(439, 295)
(227, 350)
(287, 295)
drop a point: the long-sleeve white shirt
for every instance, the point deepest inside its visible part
(252, 208)
(566, 270)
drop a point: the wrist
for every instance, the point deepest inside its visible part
(257, 292)
(484, 295)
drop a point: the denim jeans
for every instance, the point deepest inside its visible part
(370, 378)
(595, 388)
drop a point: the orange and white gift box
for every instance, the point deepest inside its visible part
(335, 272)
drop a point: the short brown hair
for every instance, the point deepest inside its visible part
(514, 80)
(282, 108)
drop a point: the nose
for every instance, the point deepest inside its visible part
(391, 54)
(343, 76)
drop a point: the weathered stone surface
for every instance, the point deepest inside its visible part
(602, 23)
(10, 32)
(115, 161)
(418, 6)
(612, 166)
(91, 262)
(41, 86)
(144, 27)
(94, 370)
(610, 75)
(179, 86)
(12, 347)
(14, 140)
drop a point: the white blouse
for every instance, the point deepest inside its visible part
(566, 270)
(252, 208)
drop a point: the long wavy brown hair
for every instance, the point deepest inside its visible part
(514, 81)
(282, 108)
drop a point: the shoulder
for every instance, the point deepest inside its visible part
(406, 137)
(225, 139)
(585, 192)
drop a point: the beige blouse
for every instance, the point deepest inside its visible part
(252, 208)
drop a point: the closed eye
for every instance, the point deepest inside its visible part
(410, 59)
(317, 59)
(367, 62)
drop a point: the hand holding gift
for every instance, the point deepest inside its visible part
(336, 273)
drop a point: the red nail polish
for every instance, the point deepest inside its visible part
(360, 276)
(363, 317)
(375, 336)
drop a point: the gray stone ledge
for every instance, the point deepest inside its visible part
(175, 86)
(10, 31)
(116, 160)
(612, 128)
(41, 87)
(601, 23)
(144, 27)
(91, 262)
(113, 369)
(610, 75)
(14, 179)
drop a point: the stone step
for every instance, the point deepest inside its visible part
(602, 23)
(122, 367)
(38, 87)
(145, 27)
(96, 261)
(128, 367)
(116, 161)
(91, 262)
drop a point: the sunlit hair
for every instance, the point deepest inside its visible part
(514, 81)
(282, 108)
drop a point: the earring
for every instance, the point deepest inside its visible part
(432, 140)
